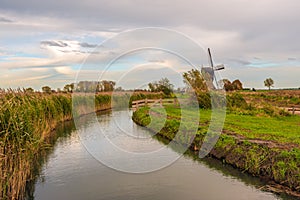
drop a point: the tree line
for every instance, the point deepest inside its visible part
(193, 79)
(82, 86)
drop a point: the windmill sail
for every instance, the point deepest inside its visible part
(211, 69)
(210, 59)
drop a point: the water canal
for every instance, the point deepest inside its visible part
(71, 172)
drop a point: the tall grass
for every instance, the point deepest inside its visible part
(26, 119)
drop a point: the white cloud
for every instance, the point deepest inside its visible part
(65, 70)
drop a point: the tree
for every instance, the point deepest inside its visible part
(94, 86)
(269, 83)
(227, 84)
(152, 86)
(237, 85)
(119, 89)
(29, 90)
(194, 80)
(69, 87)
(46, 89)
(163, 85)
(108, 85)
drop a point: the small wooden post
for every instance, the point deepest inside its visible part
(160, 100)
(146, 102)
(293, 109)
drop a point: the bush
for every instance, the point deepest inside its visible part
(269, 110)
(284, 113)
(236, 100)
(204, 100)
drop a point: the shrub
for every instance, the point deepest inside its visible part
(236, 100)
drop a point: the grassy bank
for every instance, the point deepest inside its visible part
(262, 143)
(26, 122)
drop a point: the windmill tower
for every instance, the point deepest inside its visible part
(210, 70)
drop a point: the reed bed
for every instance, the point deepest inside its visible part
(26, 120)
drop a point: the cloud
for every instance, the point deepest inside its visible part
(5, 20)
(35, 78)
(54, 43)
(156, 61)
(65, 70)
(68, 46)
(240, 61)
(87, 45)
(65, 43)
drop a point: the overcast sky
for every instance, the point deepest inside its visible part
(47, 42)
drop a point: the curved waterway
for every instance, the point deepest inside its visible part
(71, 172)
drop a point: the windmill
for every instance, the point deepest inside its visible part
(210, 70)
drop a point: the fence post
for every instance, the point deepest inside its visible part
(160, 100)
(146, 102)
(293, 110)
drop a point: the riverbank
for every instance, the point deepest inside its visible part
(26, 122)
(267, 147)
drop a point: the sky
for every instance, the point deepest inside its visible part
(59, 42)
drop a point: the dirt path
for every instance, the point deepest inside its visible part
(268, 143)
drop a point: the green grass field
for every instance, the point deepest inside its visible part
(283, 129)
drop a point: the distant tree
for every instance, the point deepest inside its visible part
(237, 85)
(119, 89)
(29, 90)
(69, 87)
(227, 84)
(269, 83)
(163, 85)
(94, 86)
(46, 89)
(108, 85)
(152, 86)
(194, 80)
(180, 90)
